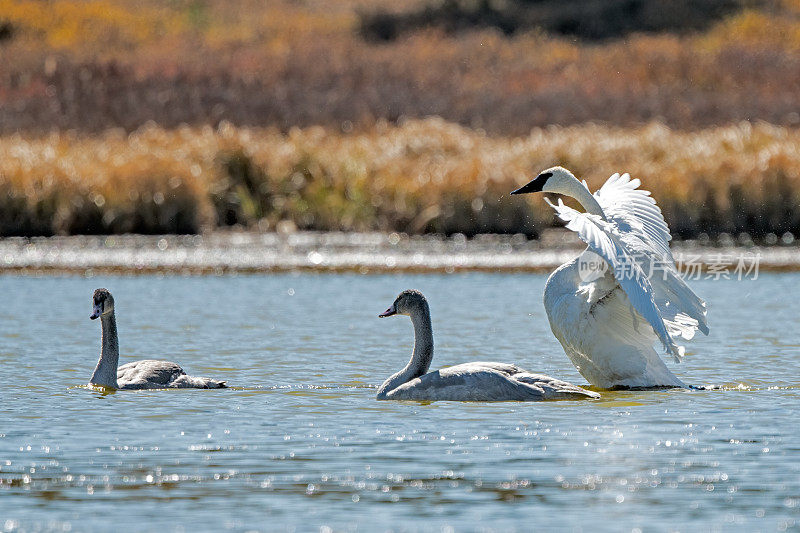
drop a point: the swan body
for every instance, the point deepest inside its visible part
(623, 294)
(469, 382)
(485, 382)
(145, 374)
(153, 374)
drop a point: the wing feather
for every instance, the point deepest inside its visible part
(644, 232)
(149, 371)
(602, 239)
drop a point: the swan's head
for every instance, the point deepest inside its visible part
(103, 303)
(407, 303)
(554, 180)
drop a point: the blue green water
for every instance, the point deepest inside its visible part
(299, 442)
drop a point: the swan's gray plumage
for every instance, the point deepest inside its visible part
(152, 374)
(486, 382)
(469, 382)
(145, 374)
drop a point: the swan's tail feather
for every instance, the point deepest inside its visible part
(191, 382)
(214, 384)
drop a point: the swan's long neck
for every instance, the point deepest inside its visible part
(577, 190)
(105, 374)
(420, 359)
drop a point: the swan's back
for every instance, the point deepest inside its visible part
(153, 374)
(487, 382)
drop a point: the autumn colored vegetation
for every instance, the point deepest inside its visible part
(97, 64)
(183, 116)
(422, 176)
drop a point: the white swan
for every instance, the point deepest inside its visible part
(145, 374)
(470, 382)
(608, 320)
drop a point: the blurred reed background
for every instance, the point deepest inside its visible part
(188, 115)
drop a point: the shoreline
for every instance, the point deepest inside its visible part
(367, 253)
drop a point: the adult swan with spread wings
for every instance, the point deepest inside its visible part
(609, 318)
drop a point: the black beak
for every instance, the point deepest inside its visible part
(534, 186)
(388, 312)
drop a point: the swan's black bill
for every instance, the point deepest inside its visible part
(534, 186)
(388, 312)
(94, 315)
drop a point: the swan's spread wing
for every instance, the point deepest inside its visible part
(605, 242)
(148, 372)
(635, 212)
(640, 226)
(683, 311)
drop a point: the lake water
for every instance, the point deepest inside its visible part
(299, 442)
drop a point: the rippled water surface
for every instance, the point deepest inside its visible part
(299, 441)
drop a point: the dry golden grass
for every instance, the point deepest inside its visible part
(64, 24)
(757, 29)
(110, 26)
(109, 67)
(101, 64)
(424, 175)
(99, 25)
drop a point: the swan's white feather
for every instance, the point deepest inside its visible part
(603, 239)
(635, 212)
(608, 322)
(640, 226)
